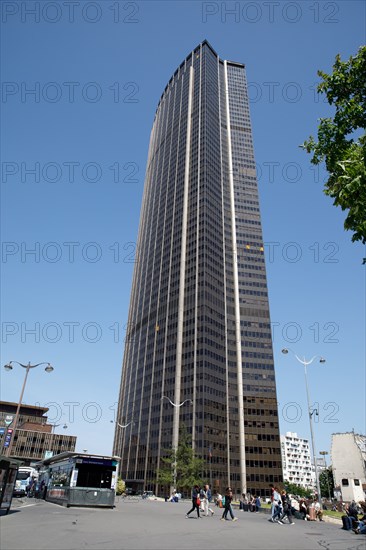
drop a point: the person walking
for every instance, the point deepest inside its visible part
(228, 501)
(207, 497)
(257, 504)
(276, 509)
(286, 505)
(195, 501)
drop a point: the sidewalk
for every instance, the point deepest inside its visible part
(326, 519)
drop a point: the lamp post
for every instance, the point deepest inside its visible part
(175, 436)
(324, 454)
(310, 412)
(9, 367)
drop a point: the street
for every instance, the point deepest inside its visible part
(33, 524)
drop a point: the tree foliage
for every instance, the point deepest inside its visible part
(121, 486)
(326, 483)
(298, 490)
(188, 466)
(342, 140)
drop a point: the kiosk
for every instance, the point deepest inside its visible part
(77, 479)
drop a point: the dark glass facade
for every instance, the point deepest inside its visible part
(199, 323)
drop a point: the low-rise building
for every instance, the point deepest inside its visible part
(348, 454)
(296, 461)
(34, 437)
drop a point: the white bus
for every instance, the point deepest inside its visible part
(24, 472)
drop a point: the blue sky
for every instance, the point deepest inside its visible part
(97, 70)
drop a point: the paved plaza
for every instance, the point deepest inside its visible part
(38, 525)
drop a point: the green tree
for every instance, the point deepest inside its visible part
(165, 475)
(342, 140)
(188, 466)
(326, 483)
(121, 486)
(298, 490)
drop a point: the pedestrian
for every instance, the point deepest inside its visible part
(206, 500)
(257, 504)
(276, 509)
(43, 489)
(286, 505)
(228, 501)
(195, 501)
(295, 507)
(31, 486)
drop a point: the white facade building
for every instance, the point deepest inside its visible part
(296, 460)
(348, 454)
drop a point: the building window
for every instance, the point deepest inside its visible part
(357, 482)
(345, 483)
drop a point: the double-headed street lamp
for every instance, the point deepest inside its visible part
(177, 404)
(9, 367)
(310, 412)
(123, 425)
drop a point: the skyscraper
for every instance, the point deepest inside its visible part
(199, 350)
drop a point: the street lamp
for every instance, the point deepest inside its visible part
(310, 412)
(324, 454)
(175, 436)
(177, 404)
(9, 367)
(122, 425)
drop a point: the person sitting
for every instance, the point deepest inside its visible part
(318, 511)
(303, 509)
(352, 511)
(360, 529)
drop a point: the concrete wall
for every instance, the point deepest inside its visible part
(348, 463)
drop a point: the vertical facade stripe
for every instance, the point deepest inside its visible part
(197, 258)
(178, 372)
(179, 99)
(225, 283)
(236, 293)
